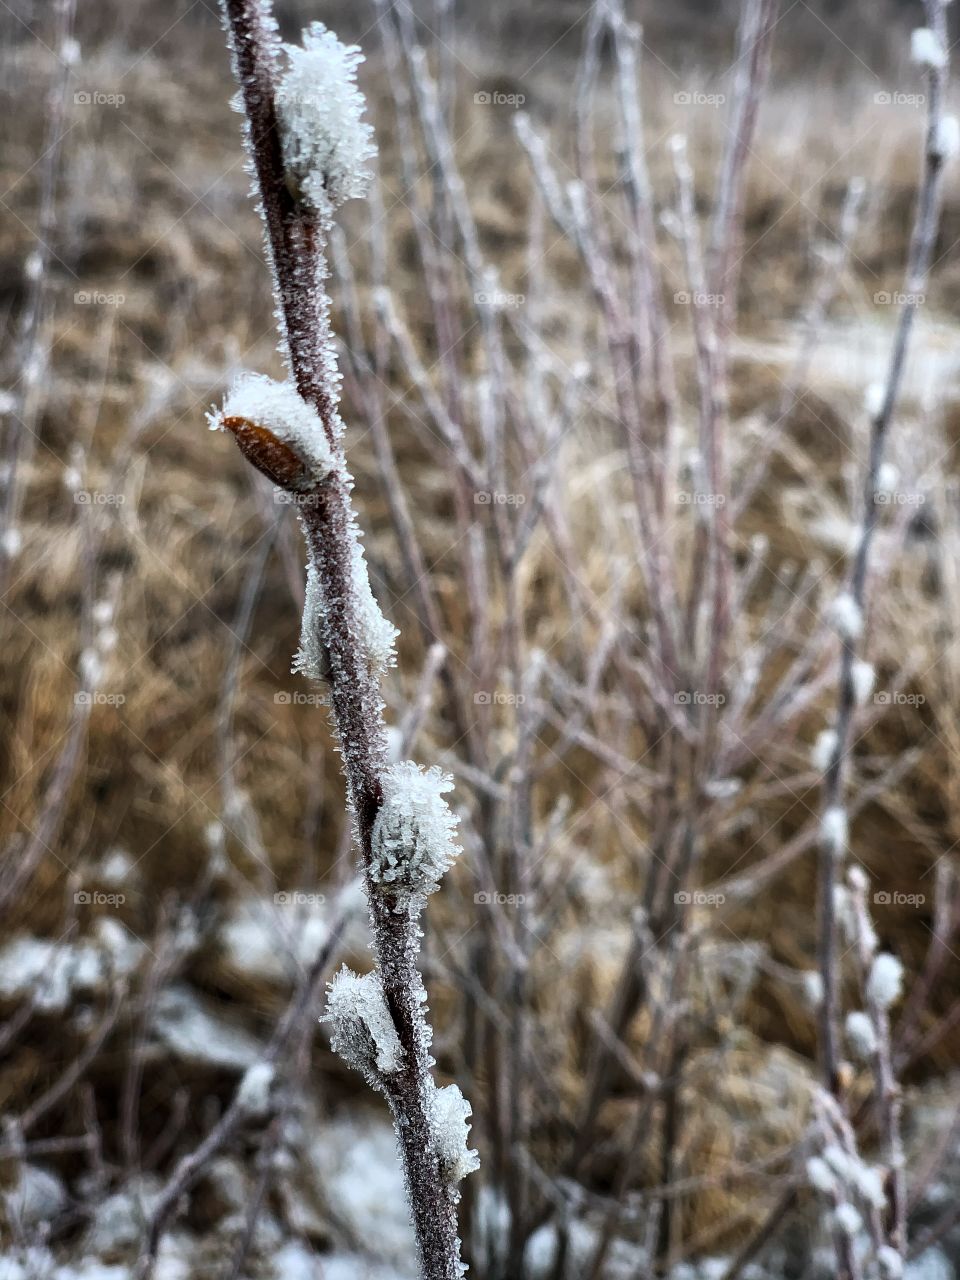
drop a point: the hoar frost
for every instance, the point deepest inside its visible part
(377, 635)
(450, 1113)
(413, 836)
(362, 1030)
(885, 982)
(278, 408)
(326, 143)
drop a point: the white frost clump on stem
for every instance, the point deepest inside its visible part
(414, 833)
(253, 1096)
(450, 1113)
(823, 749)
(947, 139)
(926, 49)
(885, 983)
(862, 675)
(860, 1035)
(834, 830)
(362, 1030)
(377, 636)
(846, 617)
(812, 988)
(820, 1175)
(278, 408)
(326, 142)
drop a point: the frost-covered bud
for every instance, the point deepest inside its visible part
(861, 1036)
(834, 830)
(946, 142)
(277, 430)
(326, 142)
(862, 676)
(450, 1113)
(253, 1096)
(812, 988)
(885, 983)
(890, 1263)
(887, 473)
(823, 749)
(846, 617)
(362, 1031)
(869, 1183)
(873, 399)
(820, 1175)
(413, 835)
(926, 48)
(847, 1220)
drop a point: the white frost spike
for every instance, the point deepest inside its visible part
(846, 617)
(834, 830)
(326, 142)
(823, 749)
(279, 408)
(926, 49)
(450, 1116)
(862, 675)
(885, 983)
(860, 1035)
(413, 835)
(362, 1030)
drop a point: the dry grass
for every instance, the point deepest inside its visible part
(154, 207)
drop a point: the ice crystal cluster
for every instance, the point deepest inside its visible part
(450, 1115)
(376, 635)
(326, 142)
(414, 833)
(276, 409)
(362, 1030)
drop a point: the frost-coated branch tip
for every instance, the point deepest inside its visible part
(414, 833)
(326, 142)
(277, 430)
(362, 1031)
